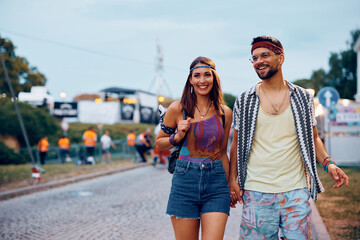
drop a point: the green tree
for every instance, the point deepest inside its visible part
(229, 100)
(22, 75)
(38, 123)
(341, 75)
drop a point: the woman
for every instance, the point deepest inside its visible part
(199, 192)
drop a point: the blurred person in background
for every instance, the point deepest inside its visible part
(90, 139)
(106, 143)
(64, 145)
(144, 144)
(43, 147)
(131, 141)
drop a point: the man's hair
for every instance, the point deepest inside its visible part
(266, 38)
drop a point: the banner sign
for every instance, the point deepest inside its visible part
(347, 117)
(146, 115)
(127, 111)
(65, 109)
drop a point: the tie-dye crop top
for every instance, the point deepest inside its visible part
(203, 141)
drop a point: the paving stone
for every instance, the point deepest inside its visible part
(126, 205)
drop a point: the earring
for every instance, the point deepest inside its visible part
(191, 89)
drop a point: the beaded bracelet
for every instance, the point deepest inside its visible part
(172, 140)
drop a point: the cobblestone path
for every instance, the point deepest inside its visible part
(127, 205)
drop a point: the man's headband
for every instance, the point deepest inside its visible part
(265, 44)
(204, 66)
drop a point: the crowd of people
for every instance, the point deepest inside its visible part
(271, 169)
(143, 144)
(86, 154)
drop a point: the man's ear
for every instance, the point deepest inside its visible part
(282, 58)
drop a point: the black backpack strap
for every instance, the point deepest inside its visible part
(184, 114)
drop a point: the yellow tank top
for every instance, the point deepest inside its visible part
(275, 163)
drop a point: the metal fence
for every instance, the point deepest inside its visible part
(123, 150)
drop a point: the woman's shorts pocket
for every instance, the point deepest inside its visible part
(218, 170)
(180, 169)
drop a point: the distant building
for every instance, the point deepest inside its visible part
(38, 96)
(119, 105)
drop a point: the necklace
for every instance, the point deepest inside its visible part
(202, 116)
(276, 110)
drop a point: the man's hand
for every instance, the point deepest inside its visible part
(338, 175)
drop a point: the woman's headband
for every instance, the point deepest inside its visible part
(204, 66)
(269, 45)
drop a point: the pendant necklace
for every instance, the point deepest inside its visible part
(202, 116)
(276, 110)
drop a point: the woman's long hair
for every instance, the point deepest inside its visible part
(188, 99)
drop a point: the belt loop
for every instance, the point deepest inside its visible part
(188, 164)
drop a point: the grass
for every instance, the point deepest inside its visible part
(17, 176)
(340, 208)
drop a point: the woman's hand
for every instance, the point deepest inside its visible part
(182, 128)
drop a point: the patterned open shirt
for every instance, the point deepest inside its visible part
(244, 121)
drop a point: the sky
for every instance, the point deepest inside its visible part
(85, 46)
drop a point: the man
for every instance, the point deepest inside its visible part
(106, 142)
(64, 145)
(144, 144)
(43, 147)
(90, 138)
(274, 152)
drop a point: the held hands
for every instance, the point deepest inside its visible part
(182, 127)
(338, 175)
(235, 194)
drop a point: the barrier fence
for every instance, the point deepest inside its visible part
(123, 150)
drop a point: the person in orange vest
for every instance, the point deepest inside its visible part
(131, 138)
(43, 147)
(90, 139)
(131, 141)
(64, 145)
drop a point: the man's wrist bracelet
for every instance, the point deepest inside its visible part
(327, 165)
(327, 161)
(172, 140)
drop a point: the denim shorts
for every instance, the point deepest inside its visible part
(198, 188)
(264, 214)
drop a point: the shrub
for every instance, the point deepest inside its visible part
(8, 156)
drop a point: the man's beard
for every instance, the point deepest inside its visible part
(269, 74)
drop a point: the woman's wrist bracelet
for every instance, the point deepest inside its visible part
(172, 140)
